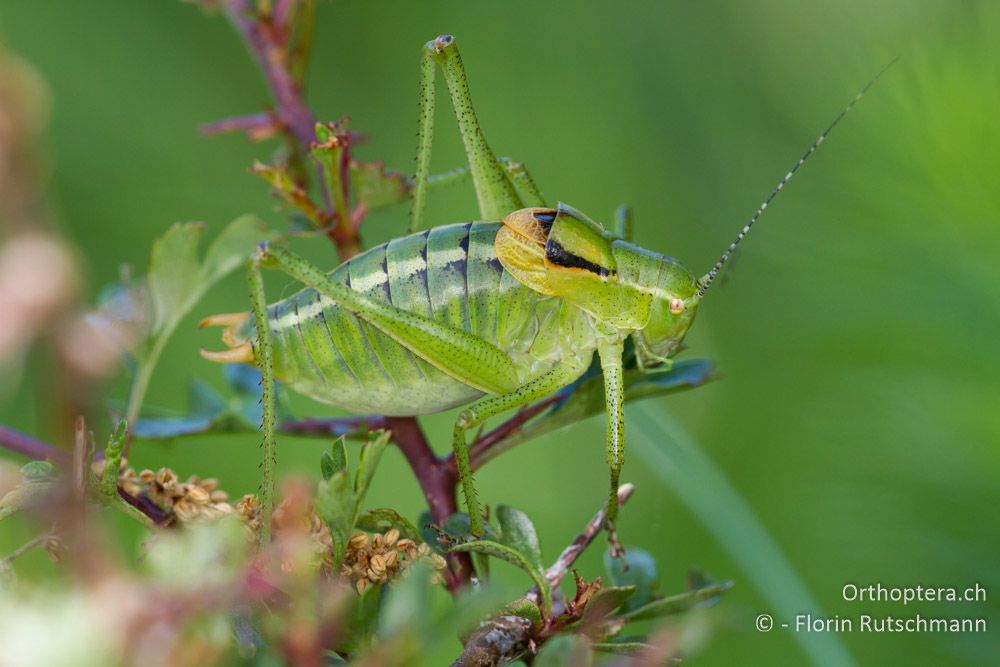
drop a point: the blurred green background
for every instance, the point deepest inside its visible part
(858, 337)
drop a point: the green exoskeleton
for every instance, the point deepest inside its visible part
(497, 313)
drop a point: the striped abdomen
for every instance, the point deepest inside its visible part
(450, 274)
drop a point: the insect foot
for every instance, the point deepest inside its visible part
(615, 546)
(441, 42)
(240, 350)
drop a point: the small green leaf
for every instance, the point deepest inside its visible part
(177, 279)
(381, 519)
(641, 574)
(339, 452)
(287, 189)
(335, 460)
(327, 466)
(371, 454)
(457, 525)
(514, 557)
(335, 505)
(229, 250)
(173, 272)
(38, 471)
(108, 483)
(524, 608)
(376, 187)
(517, 532)
(675, 604)
(605, 602)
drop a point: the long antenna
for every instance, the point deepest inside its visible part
(706, 281)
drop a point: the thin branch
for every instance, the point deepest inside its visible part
(146, 507)
(26, 445)
(335, 427)
(23, 549)
(502, 640)
(257, 126)
(268, 42)
(558, 570)
(262, 41)
(21, 443)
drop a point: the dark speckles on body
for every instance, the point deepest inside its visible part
(458, 266)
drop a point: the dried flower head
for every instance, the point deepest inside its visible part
(383, 558)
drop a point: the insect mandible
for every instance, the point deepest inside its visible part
(494, 313)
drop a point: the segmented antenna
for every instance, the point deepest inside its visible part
(706, 281)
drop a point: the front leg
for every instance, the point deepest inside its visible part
(610, 350)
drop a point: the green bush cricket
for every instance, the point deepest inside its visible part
(494, 313)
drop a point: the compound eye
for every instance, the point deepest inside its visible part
(676, 306)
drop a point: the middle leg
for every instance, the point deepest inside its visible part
(488, 407)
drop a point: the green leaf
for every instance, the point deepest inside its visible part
(174, 272)
(371, 454)
(514, 557)
(675, 604)
(376, 187)
(286, 188)
(641, 574)
(108, 483)
(605, 602)
(177, 279)
(38, 471)
(383, 518)
(335, 460)
(565, 651)
(524, 608)
(335, 504)
(517, 532)
(231, 247)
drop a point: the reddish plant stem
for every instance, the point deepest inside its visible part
(332, 427)
(156, 514)
(33, 448)
(271, 55)
(267, 42)
(436, 481)
(22, 443)
(255, 125)
(478, 455)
